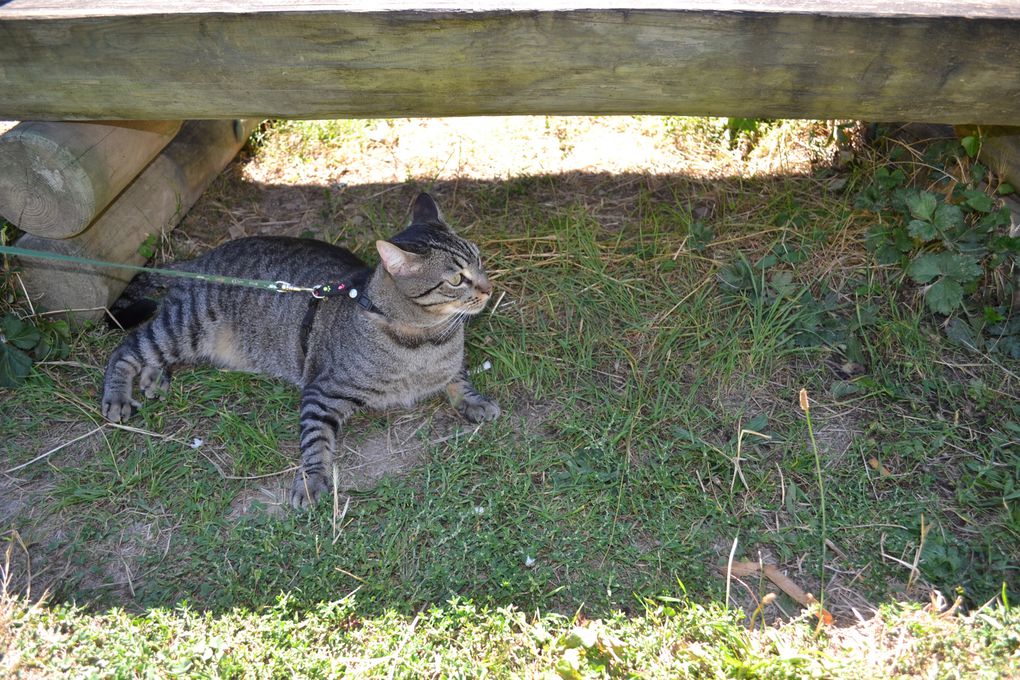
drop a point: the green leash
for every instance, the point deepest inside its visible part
(277, 286)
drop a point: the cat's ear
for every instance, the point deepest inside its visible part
(426, 211)
(396, 261)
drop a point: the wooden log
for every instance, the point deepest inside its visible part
(55, 178)
(1000, 151)
(152, 204)
(930, 60)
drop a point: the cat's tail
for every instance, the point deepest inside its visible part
(138, 302)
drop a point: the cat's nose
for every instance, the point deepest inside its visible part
(484, 286)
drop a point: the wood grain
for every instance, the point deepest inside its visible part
(933, 61)
(56, 177)
(152, 204)
(962, 8)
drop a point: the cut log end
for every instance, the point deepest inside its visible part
(55, 178)
(42, 189)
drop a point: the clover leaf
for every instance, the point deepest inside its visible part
(922, 230)
(944, 296)
(922, 205)
(950, 272)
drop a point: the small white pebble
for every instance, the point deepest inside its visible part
(479, 509)
(529, 561)
(197, 442)
(486, 365)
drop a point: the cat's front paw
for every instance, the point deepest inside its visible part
(478, 409)
(307, 489)
(117, 409)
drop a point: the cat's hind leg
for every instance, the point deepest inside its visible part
(475, 407)
(323, 412)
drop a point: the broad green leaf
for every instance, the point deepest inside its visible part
(887, 254)
(1008, 345)
(971, 144)
(925, 231)
(782, 282)
(960, 332)
(758, 424)
(960, 268)
(569, 664)
(737, 276)
(995, 219)
(844, 388)
(888, 180)
(701, 235)
(15, 366)
(922, 205)
(1005, 189)
(19, 333)
(992, 315)
(948, 216)
(42, 349)
(978, 173)
(147, 248)
(1005, 244)
(944, 296)
(924, 268)
(903, 240)
(979, 200)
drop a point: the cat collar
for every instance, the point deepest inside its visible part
(324, 290)
(328, 290)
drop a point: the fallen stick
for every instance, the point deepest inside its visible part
(781, 580)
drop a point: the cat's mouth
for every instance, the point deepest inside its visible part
(469, 307)
(477, 303)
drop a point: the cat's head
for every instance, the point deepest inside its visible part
(433, 267)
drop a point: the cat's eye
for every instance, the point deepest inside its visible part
(457, 279)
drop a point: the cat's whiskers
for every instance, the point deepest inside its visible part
(452, 323)
(447, 326)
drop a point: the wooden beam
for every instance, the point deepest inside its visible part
(930, 60)
(56, 177)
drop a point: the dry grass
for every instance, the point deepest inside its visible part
(452, 149)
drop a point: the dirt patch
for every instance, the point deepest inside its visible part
(362, 459)
(835, 430)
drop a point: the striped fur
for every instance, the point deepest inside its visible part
(427, 283)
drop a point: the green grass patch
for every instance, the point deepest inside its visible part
(648, 356)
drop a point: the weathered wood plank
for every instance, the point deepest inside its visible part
(152, 204)
(932, 60)
(56, 177)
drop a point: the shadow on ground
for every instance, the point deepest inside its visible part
(622, 471)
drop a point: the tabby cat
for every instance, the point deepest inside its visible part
(400, 340)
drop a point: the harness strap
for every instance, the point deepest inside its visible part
(328, 290)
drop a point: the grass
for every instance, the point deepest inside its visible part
(648, 357)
